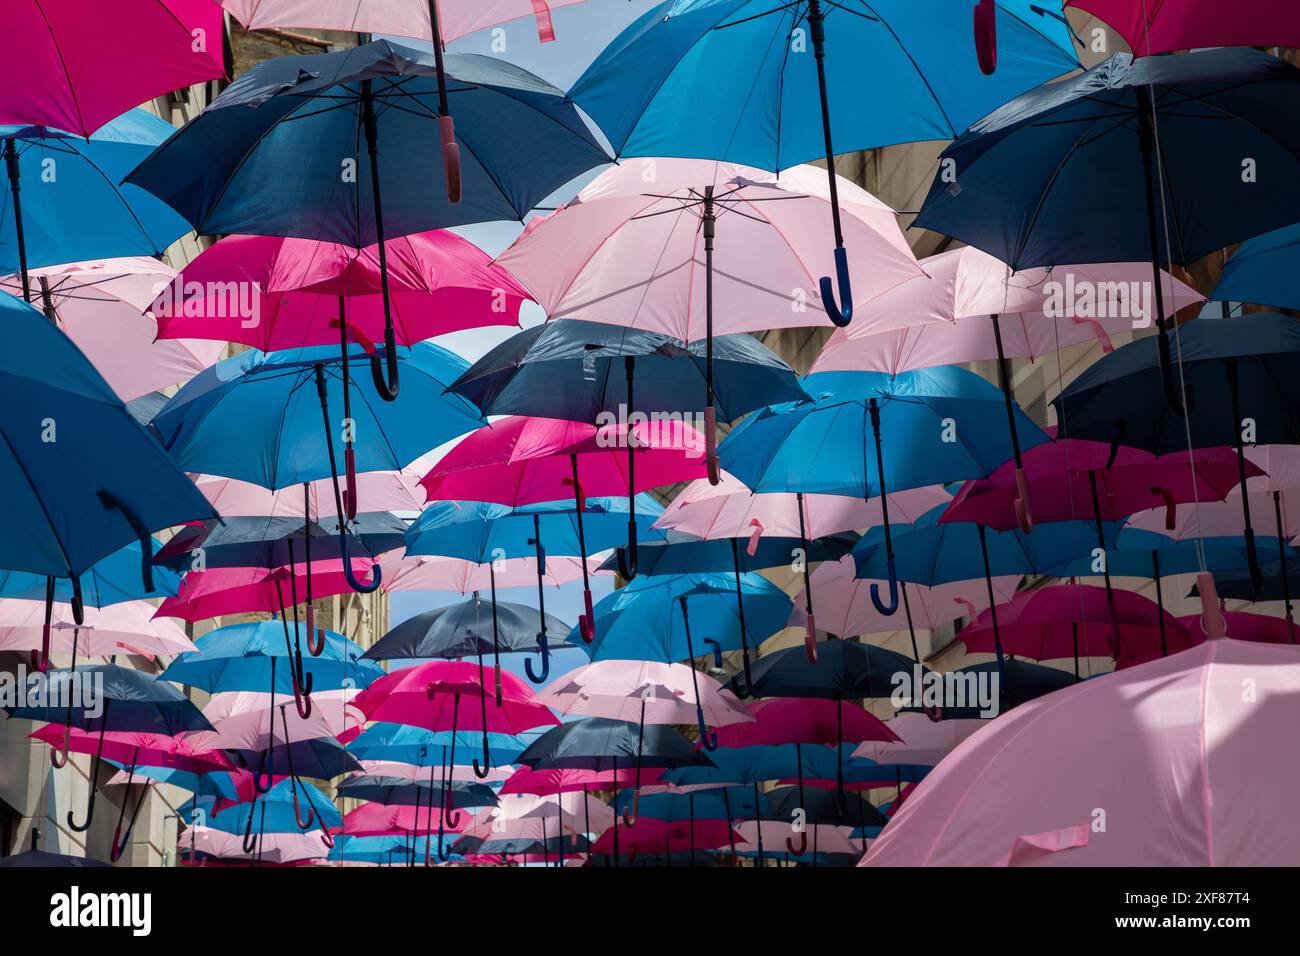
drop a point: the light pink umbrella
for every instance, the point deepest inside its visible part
(394, 491)
(923, 741)
(1281, 463)
(846, 609)
(1245, 626)
(413, 773)
(1157, 765)
(569, 807)
(102, 305)
(74, 66)
(378, 819)
(126, 628)
(1209, 519)
(250, 720)
(220, 591)
(434, 573)
(270, 847)
(821, 837)
(654, 244)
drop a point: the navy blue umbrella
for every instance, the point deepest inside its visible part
(266, 542)
(1160, 139)
(1237, 375)
(292, 148)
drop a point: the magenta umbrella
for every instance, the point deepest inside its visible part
(1076, 620)
(1162, 26)
(645, 244)
(1179, 727)
(74, 66)
(1245, 626)
(220, 591)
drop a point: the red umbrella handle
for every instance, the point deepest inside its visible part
(450, 157)
(752, 548)
(1024, 517)
(1171, 506)
(711, 444)
(545, 28)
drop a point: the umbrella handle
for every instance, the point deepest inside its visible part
(350, 488)
(387, 388)
(303, 825)
(376, 572)
(986, 36)
(711, 444)
(481, 771)
(892, 606)
(545, 650)
(326, 839)
(1024, 517)
(803, 843)
(717, 651)
(630, 821)
(1171, 506)
(587, 622)
(264, 770)
(79, 605)
(302, 695)
(809, 640)
(313, 630)
(90, 807)
(840, 315)
(249, 842)
(112, 503)
(59, 755)
(119, 843)
(709, 741)
(1212, 623)
(752, 548)
(450, 157)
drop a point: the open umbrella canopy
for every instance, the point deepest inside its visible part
(221, 591)
(244, 542)
(402, 743)
(463, 630)
(843, 670)
(395, 792)
(601, 743)
(110, 580)
(279, 814)
(126, 628)
(1158, 27)
(103, 697)
(429, 696)
(1257, 271)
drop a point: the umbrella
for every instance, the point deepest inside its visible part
(100, 304)
(654, 91)
(246, 720)
(1246, 383)
(39, 858)
(126, 628)
(83, 699)
(65, 514)
(922, 740)
(770, 450)
(521, 460)
(283, 811)
(1149, 27)
(241, 542)
(257, 417)
(1111, 743)
(377, 819)
(1245, 626)
(275, 849)
(1157, 131)
(381, 490)
(82, 213)
(1257, 271)
(432, 573)
(626, 251)
(1074, 620)
(417, 746)
(650, 618)
(485, 533)
(309, 114)
(222, 591)
(91, 65)
(108, 581)
(448, 797)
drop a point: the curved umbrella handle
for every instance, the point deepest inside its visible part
(444, 852)
(303, 825)
(630, 820)
(1212, 621)
(892, 606)
(90, 810)
(840, 315)
(79, 605)
(326, 838)
(986, 36)
(545, 650)
(707, 740)
(59, 755)
(302, 695)
(1024, 516)
(376, 572)
(587, 622)
(711, 444)
(387, 388)
(265, 769)
(717, 651)
(450, 157)
(481, 771)
(111, 502)
(752, 548)
(313, 630)
(1171, 506)
(803, 843)
(809, 643)
(119, 843)
(249, 842)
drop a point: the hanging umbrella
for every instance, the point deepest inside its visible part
(108, 581)
(283, 811)
(653, 91)
(127, 628)
(267, 849)
(92, 64)
(384, 741)
(377, 819)
(571, 779)
(258, 417)
(521, 460)
(223, 591)
(1111, 743)
(1257, 271)
(626, 251)
(392, 491)
(1158, 131)
(40, 858)
(1079, 620)
(308, 114)
(951, 421)
(462, 630)
(100, 304)
(1154, 27)
(250, 720)
(432, 573)
(922, 740)
(65, 514)
(99, 698)
(82, 213)
(1233, 388)
(269, 542)
(1245, 626)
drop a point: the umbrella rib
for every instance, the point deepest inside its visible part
(63, 65)
(916, 66)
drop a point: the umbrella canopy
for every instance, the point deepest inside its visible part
(282, 805)
(1257, 270)
(65, 516)
(275, 542)
(600, 744)
(222, 591)
(92, 64)
(434, 573)
(139, 749)
(795, 720)
(844, 670)
(463, 630)
(101, 305)
(104, 697)
(428, 695)
(377, 819)
(624, 690)
(1172, 726)
(108, 581)
(126, 628)
(290, 291)
(921, 740)
(381, 491)
(1164, 27)
(420, 747)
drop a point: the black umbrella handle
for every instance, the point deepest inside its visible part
(120, 840)
(94, 776)
(840, 314)
(249, 842)
(387, 389)
(112, 503)
(41, 658)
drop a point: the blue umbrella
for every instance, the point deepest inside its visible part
(268, 542)
(79, 477)
(1263, 271)
(1149, 139)
(283, 810)
(941, 425)
(265, 418)
(75, 206)
(301, 120)
(661, 87)
(110, 580)
(402, 743)
(485, 533)
(652, 617)
(374, 849)
(210, 783)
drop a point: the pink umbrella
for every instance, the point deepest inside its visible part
(127, 628)
(522, 460)
(413, 773)
(1073, 620)
(74, 66)
(571, 810)
(220, 591)
(250, 720)
(847, 609)
(920, 740)
(270, 847)
(101, 306)
(1159, 26)
(393, 491)
(566, 780)
(652, 837)
(1157, 765)
(377, 819)
(628, 251)
(433, 573)
(1245, 626)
